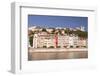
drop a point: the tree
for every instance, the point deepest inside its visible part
(67, 31)
(44, 46)
(83, 34)
(51, 47)
(60, 31)
(53, 31)
(44, 30)
(30, 35)
(31, 40)
(30, 32)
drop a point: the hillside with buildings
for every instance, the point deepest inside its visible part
(48, 37)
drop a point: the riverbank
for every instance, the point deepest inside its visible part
(59, 53)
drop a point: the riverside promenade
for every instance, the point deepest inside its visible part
(57, 53)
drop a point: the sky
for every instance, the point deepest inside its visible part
(57, 21)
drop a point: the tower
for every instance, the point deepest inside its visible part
(82, 28)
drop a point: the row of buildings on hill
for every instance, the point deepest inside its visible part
(44, 39)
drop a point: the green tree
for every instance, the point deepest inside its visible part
(83, 34)
(53, 31)
(31, 40)
(44, 30)
(67, 31)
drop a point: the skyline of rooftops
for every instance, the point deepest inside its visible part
(57, 21)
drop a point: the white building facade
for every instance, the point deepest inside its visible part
(46, 40)
(63, 41)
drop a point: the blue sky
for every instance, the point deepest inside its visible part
(57, 21)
